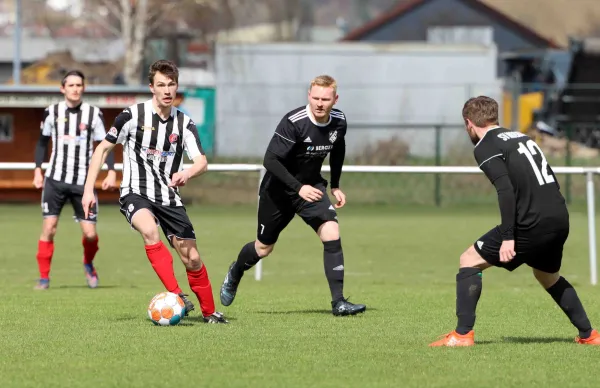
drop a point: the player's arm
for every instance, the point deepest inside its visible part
(274, 164)
(281, 144)
(496, 171)
(99, 135)
(336, 162)
(99, 132)
(41, 148)
(117, 134)
(195, 152)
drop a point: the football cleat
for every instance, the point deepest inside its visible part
(91, 276)
(343, 307)
(189, 306)
(593, 339)
(215, 317)
(453, 339)
(229, 288)
(42, 284)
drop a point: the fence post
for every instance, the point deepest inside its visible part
(568, 163)
(438, 162)
(591, 199)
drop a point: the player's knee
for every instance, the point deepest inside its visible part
(470, 258)
(329, 231)
(49, 229)
(263, 250)
(89, 233)
(546, 279)
(150, 235)
(193, 262)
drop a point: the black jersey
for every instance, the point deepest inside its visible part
(539, 203)
(302, 144)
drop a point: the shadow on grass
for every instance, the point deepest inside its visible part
(313, 311)
(537, 340)
(199, 319)
(69, 287)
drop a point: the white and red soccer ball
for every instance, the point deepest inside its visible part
(166, 309)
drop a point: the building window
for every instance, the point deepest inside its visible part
(460, 35)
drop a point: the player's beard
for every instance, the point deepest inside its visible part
(473, 135)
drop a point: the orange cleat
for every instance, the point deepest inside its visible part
(593, 339)
(455, 339)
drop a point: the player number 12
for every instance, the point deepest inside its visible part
(530, 150)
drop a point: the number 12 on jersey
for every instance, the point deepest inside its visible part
(532, 149)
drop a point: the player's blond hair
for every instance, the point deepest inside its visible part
(325, 81)
(481, 110)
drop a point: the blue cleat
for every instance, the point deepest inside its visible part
(91, 276)
(229, 288)
(42, 284)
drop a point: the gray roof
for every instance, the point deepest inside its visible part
(82, 49)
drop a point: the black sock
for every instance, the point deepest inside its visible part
(333, 261)
(565, 296)
(468, 291)
(247, 259)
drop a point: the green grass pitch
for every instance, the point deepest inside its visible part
(401, 262)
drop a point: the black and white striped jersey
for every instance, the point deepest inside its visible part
(153, 150)
(73, 132)
(303, 144)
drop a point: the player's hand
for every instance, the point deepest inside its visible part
(179, 179)
(340, 196)
(110, 182)
(38, 178)
(507, 251)
(87, 202)
(310, 194)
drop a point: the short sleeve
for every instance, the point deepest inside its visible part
(119, 132)
(283, 139)
(485, 151)
(191, 141)
(46, 124)
(490, 160)
(98, 125)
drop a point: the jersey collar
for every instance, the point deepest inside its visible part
(486, 132)
(171, 115)
(313, 120)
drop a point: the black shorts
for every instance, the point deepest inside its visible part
(55, 195)
(542, 251)
(173, 220)
(276, 209)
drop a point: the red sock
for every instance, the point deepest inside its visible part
(162, 262)
(90, 247)
(44, 257)
(200, 284)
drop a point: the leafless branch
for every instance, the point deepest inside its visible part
(112, 8)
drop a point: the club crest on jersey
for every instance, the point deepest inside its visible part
(332, 136)
(173, 138)
(82, 127)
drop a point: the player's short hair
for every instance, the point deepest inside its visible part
(165, 67)
(481, 110)
(325, 81)
(69, 73)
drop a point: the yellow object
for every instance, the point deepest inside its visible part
(528, 103)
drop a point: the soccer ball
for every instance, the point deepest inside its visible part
(166, 309)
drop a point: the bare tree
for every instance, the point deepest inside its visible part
(133, 20)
